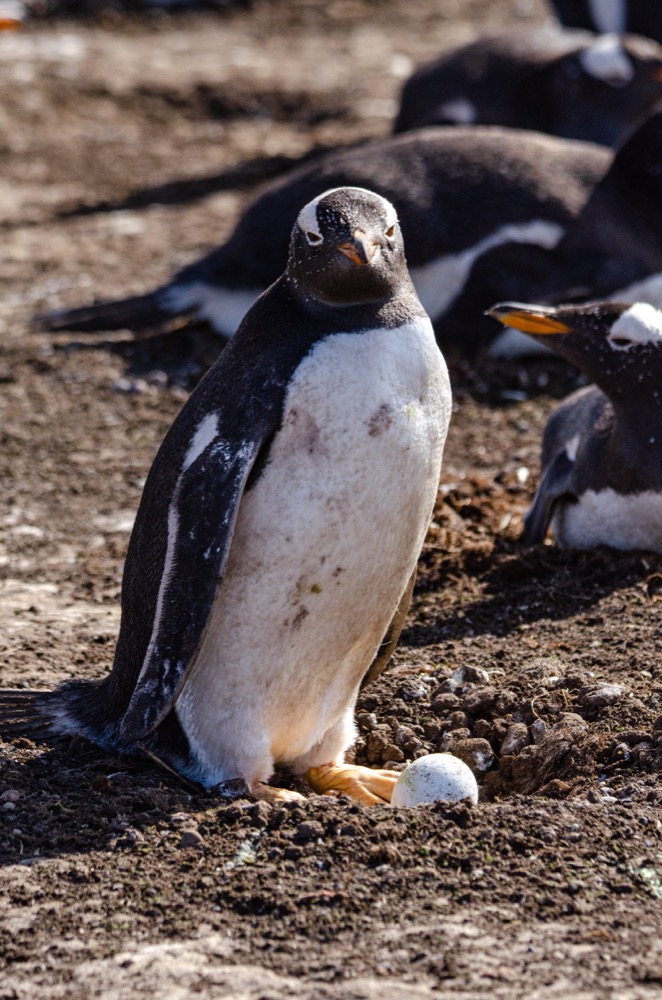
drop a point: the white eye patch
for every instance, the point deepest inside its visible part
(605, 60)
(307, 218)
(307, 221)
(640, 324)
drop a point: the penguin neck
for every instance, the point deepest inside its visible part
(386, 312)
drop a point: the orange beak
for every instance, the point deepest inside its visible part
(528, 319)
(11, 14)
(361, 250)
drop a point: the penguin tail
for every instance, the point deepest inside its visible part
(74, 708)
(25, 713)
(140, 313)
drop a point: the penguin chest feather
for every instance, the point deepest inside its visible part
(325, 542)
(604, 517)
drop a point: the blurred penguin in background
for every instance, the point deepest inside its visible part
(567, 83)
(643, 17)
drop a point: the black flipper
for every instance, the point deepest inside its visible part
(206, 501)
(555, 483)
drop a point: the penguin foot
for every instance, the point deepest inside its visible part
(364, 784)
(267, 793)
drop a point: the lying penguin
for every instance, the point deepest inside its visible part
(458, 193)
(601, 481)
(567, 83)
(276, 540)
(642, 16)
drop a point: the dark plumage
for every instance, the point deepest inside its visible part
(644, 17)
(567, 83)
(457, 192)
(601, 479)
(271, 562)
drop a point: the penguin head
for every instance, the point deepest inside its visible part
(604, 86)
(616, 345)
(346, 249)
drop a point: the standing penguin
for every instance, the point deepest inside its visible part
(280, 525)
(601, 481)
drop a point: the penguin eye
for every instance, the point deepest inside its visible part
(390, 232)
(313, 238)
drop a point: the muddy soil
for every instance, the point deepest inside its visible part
(129, 147)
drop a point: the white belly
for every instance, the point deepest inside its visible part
(631, 521)
(324, 545)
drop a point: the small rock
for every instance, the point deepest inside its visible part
(517, 737)
(463, 676)
(393, 753)
(570, 720)
(477, 754)
(444, 702)
(449, 740)
(402, 735)
(179, 819)
(259, 814)
(480, 700)
(310, 830)
(538, 731)
(191, 838)
(598, 696)
(11, 795)
(377, 740)
(458, 720)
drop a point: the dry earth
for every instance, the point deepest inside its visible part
(128, 148)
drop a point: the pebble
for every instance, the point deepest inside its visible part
(476, 753)
(11, 795)
(191, 838)
(600, 695)
(516, 739)
(538, 731)
(310, 830)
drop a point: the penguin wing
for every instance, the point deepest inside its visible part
(201, 519)
(555, 483)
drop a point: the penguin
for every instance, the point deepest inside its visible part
(568, 83)
(459, 192)
(280, 525)
(601, 481)
(611, 250)
(640, 16)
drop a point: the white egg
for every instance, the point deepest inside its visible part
(438, 776)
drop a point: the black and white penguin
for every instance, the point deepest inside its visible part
(567, 83)
(601, 481)
(644, 17)
(612, 249)
(458, 192)
(280, 525)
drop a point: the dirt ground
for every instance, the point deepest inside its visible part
(127, 149)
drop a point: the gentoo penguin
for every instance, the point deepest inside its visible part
(611, 250)
(601, 481)
(567, 83)
(458, 192)
(280, 524)
(641, 16)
